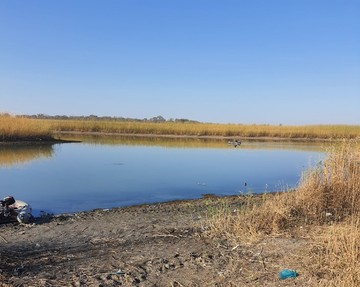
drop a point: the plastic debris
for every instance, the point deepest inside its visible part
(24, 212)
(287, 273)
(119, 272)
(11, 210)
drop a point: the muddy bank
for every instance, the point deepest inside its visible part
(34, 141)
(150, 245)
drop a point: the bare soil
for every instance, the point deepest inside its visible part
(150, 245)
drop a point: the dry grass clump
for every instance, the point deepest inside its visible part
(335, 255)
(268, 214)
(336, 186)
(18, 128)
(331, 192)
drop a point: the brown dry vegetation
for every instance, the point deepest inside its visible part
(14, 128)
(20, 129)
(325, 209)
(207, 129)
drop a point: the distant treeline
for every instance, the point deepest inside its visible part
(157, 119)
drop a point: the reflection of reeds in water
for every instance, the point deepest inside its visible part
(145, 141)
(16, 155)
(169, 142)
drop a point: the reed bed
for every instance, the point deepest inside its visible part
(17, 129)
(327, 199)
(206, 129)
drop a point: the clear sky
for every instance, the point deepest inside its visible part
(240, 61)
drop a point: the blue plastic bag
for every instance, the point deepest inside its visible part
(287, 273)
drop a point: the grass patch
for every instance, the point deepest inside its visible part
(336, 254)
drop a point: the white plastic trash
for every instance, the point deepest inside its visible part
(23, 210)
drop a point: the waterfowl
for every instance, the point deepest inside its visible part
(235, 143)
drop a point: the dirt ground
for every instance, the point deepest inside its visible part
(150, 245)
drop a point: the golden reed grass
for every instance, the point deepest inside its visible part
(335, 254)
(17, 128)
(12, 127)
(206, 129)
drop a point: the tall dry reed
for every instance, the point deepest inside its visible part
(178, 128)
(335, 255)
(331, 192)
(17, 128)
(207, 129)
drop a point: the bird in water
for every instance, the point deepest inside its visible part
(234, 143)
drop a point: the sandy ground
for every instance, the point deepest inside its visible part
(150, 245)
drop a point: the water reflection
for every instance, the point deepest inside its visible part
(11, 155)
(182, 142)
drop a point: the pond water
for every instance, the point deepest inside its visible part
(110, 172)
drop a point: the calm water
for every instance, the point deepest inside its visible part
(111, 172)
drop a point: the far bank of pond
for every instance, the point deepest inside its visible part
(25, 128)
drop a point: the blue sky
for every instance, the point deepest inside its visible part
(253, 62)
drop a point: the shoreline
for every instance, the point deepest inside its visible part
(164, 244)
(195, 201)
(57, 138)
(35, 142)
